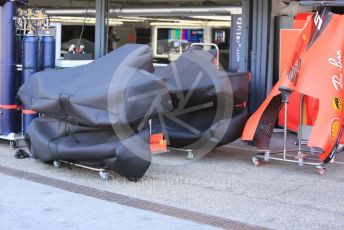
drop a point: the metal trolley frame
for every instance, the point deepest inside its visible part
(300, 158)
(103, 172)
(14, 139)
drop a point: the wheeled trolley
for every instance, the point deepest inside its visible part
(189, 152)
(159, 145)
(14, 139)
(103, 172)
(300, 156)
(299, 159)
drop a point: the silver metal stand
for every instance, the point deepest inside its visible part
(189, 152)
(103, 172)
(14, 139)
(300, 158)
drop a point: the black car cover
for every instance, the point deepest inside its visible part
(98, 113)
(83, 106)
(209, 104)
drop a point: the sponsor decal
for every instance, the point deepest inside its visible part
(294, 72)
(304, 37)
(337, 79)
(337, 104)
(334, 130)
(318, 21)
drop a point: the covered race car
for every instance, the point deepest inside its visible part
(98, 114)
(317, 71)
(83, 106)
(209, 104)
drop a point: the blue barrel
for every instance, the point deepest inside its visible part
(47, 51)
(30, 64)
(10, 118)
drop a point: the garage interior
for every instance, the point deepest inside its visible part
(219, 190)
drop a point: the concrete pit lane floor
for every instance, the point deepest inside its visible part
(34, 206)
(221, 189)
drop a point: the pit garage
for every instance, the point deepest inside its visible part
(164, 114)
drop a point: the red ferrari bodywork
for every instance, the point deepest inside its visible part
(316, 70)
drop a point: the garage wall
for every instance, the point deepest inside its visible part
(257, 18)
(259, 43)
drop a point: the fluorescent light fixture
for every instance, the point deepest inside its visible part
(142, 19)
(193, 23)
(236, 10)
(215, 18)
(80, 20)
(226, 24)
(178, 23)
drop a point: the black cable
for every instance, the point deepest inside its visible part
(83, 26)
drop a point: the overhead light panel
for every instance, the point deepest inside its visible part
(215, 18)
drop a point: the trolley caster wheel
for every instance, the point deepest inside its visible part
(57, 164)
(190, 155)
(255, 161)
(104, 175)
(321, 170)
(13, 144)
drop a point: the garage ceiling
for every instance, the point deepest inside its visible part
(83, 3)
